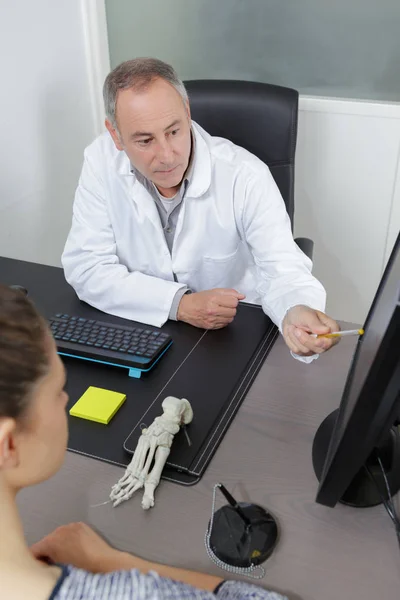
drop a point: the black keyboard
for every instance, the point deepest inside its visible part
(136, 348)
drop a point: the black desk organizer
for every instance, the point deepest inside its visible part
(212, 369)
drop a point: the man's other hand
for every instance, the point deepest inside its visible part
(302, 321)
(211, 309)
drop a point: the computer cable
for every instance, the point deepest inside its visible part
(387, 502)
(395, 515)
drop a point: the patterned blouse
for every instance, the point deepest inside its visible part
(76, 584)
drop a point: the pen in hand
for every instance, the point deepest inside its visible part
(336, 334)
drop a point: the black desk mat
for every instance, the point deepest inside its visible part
(212, 369)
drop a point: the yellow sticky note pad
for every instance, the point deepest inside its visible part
(98, 405)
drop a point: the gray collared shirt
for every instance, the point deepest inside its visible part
(168, 211)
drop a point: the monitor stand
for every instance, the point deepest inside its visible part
(362, 491)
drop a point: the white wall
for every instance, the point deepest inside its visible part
(394, 222)
(347, 195)
(47, 119)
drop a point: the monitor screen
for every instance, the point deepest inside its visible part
(366, 409)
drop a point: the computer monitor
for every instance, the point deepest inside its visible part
(348, 442)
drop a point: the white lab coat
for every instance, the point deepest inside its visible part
(233, 232)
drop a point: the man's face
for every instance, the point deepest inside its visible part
(154, 131)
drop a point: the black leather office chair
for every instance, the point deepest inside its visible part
(257, 116)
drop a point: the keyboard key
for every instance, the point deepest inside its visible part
(91, 333)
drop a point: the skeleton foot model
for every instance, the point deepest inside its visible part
(154, 443)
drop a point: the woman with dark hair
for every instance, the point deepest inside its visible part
(79, 564)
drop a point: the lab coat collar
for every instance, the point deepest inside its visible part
(200, 170)
(200, 176)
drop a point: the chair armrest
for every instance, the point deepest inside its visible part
(306, 245)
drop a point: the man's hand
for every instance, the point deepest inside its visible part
(78, 545)
(211, 309)
(299, 322)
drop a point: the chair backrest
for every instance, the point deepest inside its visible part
(260, 117)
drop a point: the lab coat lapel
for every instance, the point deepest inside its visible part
(145, 205)
(200, 180)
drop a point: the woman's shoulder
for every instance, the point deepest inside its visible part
(76, 584)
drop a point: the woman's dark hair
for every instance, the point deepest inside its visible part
(23, 355)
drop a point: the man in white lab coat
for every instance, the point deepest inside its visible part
(170, 222)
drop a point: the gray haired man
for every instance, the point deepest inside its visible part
(170, 222)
